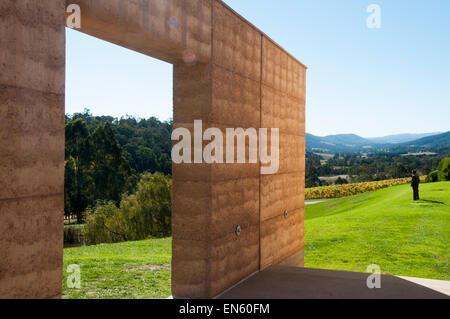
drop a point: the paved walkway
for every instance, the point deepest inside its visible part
(312, 203)
(442, 286)
(282, 282)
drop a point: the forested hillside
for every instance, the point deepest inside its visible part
(374, 167)
(105, 157)
(435, 142)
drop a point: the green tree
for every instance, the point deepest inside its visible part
(78, 155)
(432, 177)
(311, 174)
(154, 198)
(105, 224)
(444, 169)
(109, 168)
(340, 181)
(141, 215)
(69, 182)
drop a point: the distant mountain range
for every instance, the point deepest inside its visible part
(355, 143)
(439, 140)
(400, 138)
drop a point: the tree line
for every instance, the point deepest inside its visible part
(106, 157)
(374, 167)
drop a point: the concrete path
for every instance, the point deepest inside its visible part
(282, 282)
(312, 203)
(442, 286)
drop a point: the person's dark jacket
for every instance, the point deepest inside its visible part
(415, 181)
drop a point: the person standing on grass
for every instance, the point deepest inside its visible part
(415, 184)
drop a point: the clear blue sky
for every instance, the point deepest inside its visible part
(371, 82)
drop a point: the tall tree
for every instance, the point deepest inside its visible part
(78, 155)
(110, 169)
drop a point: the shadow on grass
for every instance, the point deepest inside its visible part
(433, 201)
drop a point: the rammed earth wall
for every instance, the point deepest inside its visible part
(227, 73)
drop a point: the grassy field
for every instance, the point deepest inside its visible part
(384, 227)
(125, 270)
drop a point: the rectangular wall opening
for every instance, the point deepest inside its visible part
(117, 188)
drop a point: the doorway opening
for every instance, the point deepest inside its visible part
(117, 187)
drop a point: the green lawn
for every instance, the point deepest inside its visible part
(384, 227)
(125, 270)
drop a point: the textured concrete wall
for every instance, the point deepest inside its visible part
(163, 29)
(283, 106)
(227, 73)
(250, 82)
(32, 59)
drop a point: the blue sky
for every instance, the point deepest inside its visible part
(111, 80)
(371, 82)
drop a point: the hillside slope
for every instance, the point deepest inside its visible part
(398, 143)
(337, 143)
(400, 138)
(384, 227)
(431, 141)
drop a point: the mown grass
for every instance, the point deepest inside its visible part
(127, 270)
(385, 227)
